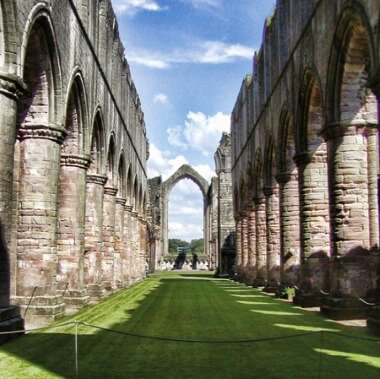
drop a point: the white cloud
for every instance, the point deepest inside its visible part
(201, 133)
(185, 202)
(174, 137)
(203, 52)
(199, 4)
(215, 52)
(185, 232)
(161, 98)
(133, 6)
(205, 170)
(148, 62)
(161, 163)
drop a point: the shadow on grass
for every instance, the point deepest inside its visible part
(195, 310)
(199, 274)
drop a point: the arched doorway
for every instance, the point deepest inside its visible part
(184, 172)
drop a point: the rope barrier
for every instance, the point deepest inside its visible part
(195, 341)
(171, 339)
(37, 329)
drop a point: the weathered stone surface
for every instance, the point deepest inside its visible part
(72, 139)
(308, 115)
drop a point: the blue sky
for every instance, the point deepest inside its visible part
(188, 59)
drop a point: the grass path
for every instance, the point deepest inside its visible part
(194, 306)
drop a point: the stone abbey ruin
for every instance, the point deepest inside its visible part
(294, 202)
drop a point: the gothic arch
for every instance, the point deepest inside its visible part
(122, 178)
(184, 172)
(40, 70)
(352, 47)
(97, 143)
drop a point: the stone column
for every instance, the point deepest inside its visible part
(252, 258)
(10, 90)
(239, 259)
(134, 249)
(120, 253)
(127, 260)
(36, 231)
(94, 235)
(261, 241)
(290, 227)
(315, 228)
(70, 231)
(350, 264)
(244, 245)
(109, 206)
(273, 237)
(143, 243)
(373, 164)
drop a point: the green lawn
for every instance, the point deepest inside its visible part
(194, 306)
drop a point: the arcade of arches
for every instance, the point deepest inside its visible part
(305, 158)
(73, 147)
(78, 217)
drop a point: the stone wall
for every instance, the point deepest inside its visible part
(74, 149)
(305, 156)
(224, 225)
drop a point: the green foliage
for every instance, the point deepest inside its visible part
(196, 246)
(169, 305)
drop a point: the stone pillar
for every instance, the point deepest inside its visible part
(261, 241)
(10, 89)
(70, 231)
(272, 201)
(109, 206)
(36, 231)
(252, 258)
(144, 244)
(238, 247)
(373, 164)
(127, 261)
(315, 228)
(94, 235)
(350, 264)
(290, 227)
(120, 252)
(134, 248)
(244, 245)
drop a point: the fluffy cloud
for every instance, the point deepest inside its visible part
(200, 133)
(186, 211)
(201, 52)
(175, 136)
(161, 98)
(185, 202)
(160, 162)
(133, 6)
(201, 4)
(148, 62)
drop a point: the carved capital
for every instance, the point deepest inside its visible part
(259, 200)
(134, 214)
(110, 191)
(283, 177)
(96, 179)
(121, 201)
(346, 128)
(80, 161)
(128, 208)
(38, 131)
(303, 158)
(11, 86)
